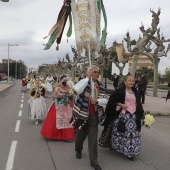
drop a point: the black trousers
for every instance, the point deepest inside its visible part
(142, 96)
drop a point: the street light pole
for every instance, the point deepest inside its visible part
(8, 63)
(8, 58)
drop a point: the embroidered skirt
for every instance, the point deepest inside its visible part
(128, 142)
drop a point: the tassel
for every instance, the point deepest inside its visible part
(57, 47)
(45, 37)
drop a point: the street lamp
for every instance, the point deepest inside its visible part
(4, 0)
(20, 72)
(9, 45)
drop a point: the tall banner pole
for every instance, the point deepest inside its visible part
(89, 54)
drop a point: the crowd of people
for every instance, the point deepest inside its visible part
(78, 109)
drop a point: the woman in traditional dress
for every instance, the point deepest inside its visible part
(56, 124)
(123, 123)
(37, 103)
(49, 84)
(28, 82)
(24, 85)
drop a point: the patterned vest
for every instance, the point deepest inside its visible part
(81, 106)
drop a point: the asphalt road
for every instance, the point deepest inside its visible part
(30, 151)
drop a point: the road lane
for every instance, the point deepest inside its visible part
(33, 152)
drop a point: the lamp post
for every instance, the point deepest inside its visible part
(105, 57)
(20, 73)
(9, 45)
(4, 0)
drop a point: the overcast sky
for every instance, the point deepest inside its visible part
(26, 22)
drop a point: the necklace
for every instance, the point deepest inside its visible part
(129, 91)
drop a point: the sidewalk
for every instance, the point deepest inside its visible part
(4, 85)
(157, 105)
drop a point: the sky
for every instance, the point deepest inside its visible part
(26, 22)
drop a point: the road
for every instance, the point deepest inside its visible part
(30, 151)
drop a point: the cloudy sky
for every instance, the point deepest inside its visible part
(26, 22)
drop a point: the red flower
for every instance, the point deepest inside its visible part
(97, 86)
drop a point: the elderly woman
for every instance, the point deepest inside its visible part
(56, 125)
(123, 123)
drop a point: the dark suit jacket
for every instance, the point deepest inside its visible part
(115, 81)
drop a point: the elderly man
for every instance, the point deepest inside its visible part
(85, 113)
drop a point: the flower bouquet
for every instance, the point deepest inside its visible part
(69, 96)
(148, 119)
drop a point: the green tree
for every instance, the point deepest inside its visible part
(147, 71)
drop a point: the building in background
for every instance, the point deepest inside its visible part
(143, 61)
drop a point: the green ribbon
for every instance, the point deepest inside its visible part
(69, 32)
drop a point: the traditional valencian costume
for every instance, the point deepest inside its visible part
(49, 84)
(56, 124)
(28, 79)
(24, 85)
(37, 104)
(122, 127)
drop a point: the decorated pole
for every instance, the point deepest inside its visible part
(86, 15)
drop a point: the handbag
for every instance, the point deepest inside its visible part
(121, 125)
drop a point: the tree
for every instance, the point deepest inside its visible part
(167, 73)
(147, 71)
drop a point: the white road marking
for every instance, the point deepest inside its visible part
(17, 126)
(22, 100)
(21, 106)
(22, 97)
(10, 161)
(20, 113)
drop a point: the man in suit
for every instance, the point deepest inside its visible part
(115, 81)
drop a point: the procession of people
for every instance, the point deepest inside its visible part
(78, 109)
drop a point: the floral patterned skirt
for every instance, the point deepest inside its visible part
(128, 142)
(106, 136)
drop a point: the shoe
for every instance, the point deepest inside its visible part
(96, 167)
(130, 158)
(78, 154)
(143, 103)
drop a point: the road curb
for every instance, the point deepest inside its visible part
(5, 88)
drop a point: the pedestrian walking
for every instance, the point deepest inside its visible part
(115, 81)
(142, 86)
(124, 113)
(24, 85)
(37, 103)
(120, 80)
(49, 84)
(56, 125)
(85, 113)
(168, 94)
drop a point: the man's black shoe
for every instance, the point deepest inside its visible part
(78, 154)
(96, 167)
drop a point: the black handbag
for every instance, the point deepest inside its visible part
(121, 125)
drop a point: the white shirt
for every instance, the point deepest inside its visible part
(81, 85)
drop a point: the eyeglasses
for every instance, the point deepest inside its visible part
(96, 72)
